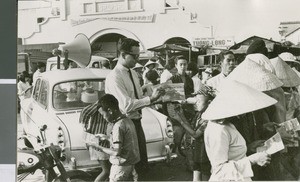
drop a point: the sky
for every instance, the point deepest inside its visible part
(244, 18)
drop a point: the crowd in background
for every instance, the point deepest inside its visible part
(228, 111)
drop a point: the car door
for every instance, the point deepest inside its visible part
(38, 116)
(28, 112)
(153, 133)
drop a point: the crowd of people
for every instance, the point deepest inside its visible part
(229, 114)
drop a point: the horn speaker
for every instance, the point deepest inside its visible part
(79, 50)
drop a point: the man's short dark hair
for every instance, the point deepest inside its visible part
(24, 75)
(108, 101)
(127, 43)
(41, 65)
(192, 67)
(170, 65)
(222, 55)
(179, 57)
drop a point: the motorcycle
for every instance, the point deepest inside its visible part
(47, 158)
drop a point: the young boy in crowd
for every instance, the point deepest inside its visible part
(124, 150)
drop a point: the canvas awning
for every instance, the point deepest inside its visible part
(166, 48)
(172, 47)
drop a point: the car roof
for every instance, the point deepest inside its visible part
(57, 76)
(93, 58)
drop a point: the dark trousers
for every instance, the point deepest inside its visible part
(142, 166)
(271, 172)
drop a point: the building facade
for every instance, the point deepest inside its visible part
(104, 22)
(290, 31)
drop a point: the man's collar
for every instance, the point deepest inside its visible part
(121, 67)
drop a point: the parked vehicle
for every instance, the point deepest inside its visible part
(56, 101)
(52, 62)
(47, 158)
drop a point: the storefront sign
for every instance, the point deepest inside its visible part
(98, 7)
(134, 18)
(218, 42)
(81, 21)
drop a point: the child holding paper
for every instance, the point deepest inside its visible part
(124, 150)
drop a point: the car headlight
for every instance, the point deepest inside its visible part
(169, 129)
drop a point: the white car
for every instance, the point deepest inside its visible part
(51, 115)
(52, 62)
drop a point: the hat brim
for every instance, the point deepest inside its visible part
(285, 73)
(235, 98)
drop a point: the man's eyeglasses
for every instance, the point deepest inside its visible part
(135, 56)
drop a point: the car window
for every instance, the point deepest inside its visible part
(37, 89)
(53, 66)
(77, 94)
(43, 94)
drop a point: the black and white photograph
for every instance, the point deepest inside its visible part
(93, 103)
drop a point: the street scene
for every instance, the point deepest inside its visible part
(169, 90)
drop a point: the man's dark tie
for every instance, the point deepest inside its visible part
(135, 91)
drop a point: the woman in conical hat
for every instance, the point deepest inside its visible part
(290, 80)
(138, 68)
(289, 58)
(298, 73)
(225, 146)
(285, 73)
(261, 60)
(256, 76)
(260, 124)
(150, 65)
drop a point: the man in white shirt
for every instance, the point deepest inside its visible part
(123, 83)
(41, 67)
(227, 62)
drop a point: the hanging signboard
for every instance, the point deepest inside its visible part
(217, 42)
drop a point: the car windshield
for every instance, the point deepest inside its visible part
(77, 94)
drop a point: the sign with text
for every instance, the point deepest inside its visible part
(144, 18)
(222, 42)
(98, 7)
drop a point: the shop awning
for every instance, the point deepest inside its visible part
(39, 56)
(172, 47)
(167, 48)
(38, 52)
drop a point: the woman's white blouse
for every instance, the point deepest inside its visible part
(226, 150)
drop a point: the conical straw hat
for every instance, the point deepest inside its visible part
(151, 62)
(137, 65)
(286, 56)
(254, 75)
(285, 73)
(296, 71)
(236, 98)
(261, 60)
